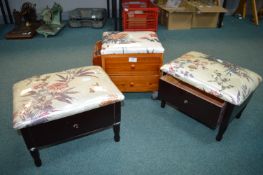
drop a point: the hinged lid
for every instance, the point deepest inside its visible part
(177, 9)
(205, 8)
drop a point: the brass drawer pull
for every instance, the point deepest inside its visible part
(76, 126)
(133, 66)
(185, 101)
(131, 84)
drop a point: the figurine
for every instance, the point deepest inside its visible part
(17, 16)
(25, 22)
(53, 15)
(46, 15)
(52, 20)
(28, 12)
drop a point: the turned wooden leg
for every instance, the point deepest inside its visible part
(254, 10)
(163, 103)
(116, 130)
(35, 154)
(242, 8)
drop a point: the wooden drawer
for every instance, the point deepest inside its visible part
(136, 83)
(197, 104)
(73, 126)
(138, 72)
(135, 65)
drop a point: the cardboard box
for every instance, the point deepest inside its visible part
(175, 18)
(160, 2)
(205, 16)
(190, 14)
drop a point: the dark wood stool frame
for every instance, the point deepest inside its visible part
(68, 128)
(209, 114)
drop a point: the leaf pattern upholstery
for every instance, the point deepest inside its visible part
(52, 96)
(222, 79)
(130, 42)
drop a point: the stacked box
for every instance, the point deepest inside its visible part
(206, 13)
(174, 18)
(191, 14)
(139, 15)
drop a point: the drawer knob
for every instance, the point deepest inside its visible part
(131, 84)
(185, 101)
(133, 66)
(76, 126)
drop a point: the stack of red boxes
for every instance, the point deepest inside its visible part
(139, 15)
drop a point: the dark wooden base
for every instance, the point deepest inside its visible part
(23, 32)
(199, 105)
(68, 128)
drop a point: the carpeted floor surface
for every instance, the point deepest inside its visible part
(153, 140)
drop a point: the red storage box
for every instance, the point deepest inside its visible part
(139, 15)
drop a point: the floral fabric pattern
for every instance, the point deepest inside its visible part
(222, 79)
(52, 96)
(130, 42)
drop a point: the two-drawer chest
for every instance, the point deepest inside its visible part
(131, 59)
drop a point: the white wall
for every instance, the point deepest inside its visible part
(66, 4)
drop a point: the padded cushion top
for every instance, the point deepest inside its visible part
(48, 97)
(227, 81)
(130, 42)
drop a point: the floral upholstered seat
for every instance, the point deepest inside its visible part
(48, 97)
(130, 42)
(227, 81)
